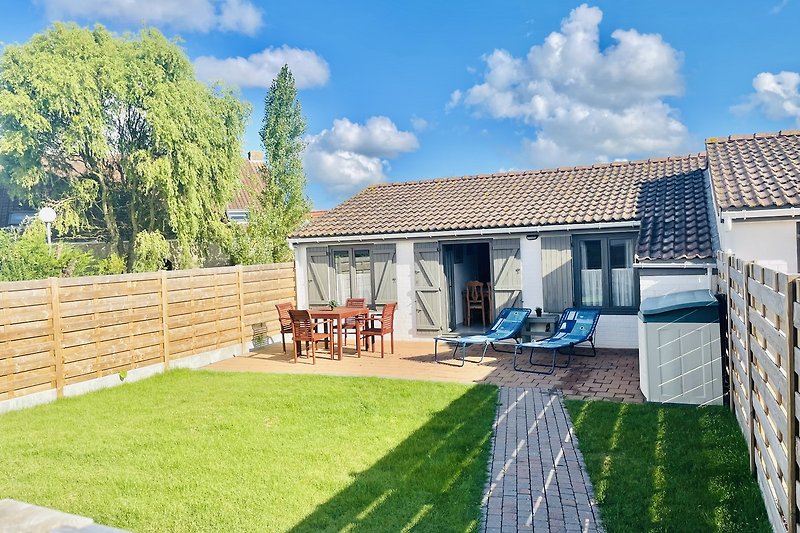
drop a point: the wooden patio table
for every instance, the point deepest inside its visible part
(339, 314)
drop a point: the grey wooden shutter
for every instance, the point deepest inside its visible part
(384, 278)
(507, 277)
(319, 276)
(557, 273)
(428, 287)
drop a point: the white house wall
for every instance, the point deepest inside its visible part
(650, 286)
(532, 286)
(617, 331)
(773, 243)
(301, 275)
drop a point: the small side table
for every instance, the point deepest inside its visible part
(539, 327)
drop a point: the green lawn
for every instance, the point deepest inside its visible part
(668, 468)
(211, 451)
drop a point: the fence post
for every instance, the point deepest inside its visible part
(240, 287)
(165, 317)
(751, 418)
(729, 340)
(58, 339)
(791, 446)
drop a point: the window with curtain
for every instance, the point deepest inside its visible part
(353, 271)
(591, 273)
(604, 272)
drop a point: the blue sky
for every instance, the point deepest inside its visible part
(410, 90)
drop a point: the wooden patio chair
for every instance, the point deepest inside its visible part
(303, 330)
(285, 321)
(475, 301)
(350, 323)
(370, 331)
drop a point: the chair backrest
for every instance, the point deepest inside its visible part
(577, 324)
(387, 323)
(509, 323)
(474, 291)
(356, 302)
(283, 314)
(302, 325)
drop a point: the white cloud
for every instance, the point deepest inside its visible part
(586, 103)
(350, 156)
(455, 99)
(777, 95)
(192, 15)
(240, 15)
(419, 123)
(259, 69)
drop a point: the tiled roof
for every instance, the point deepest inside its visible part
(755, 171)
(252, 185)
(668, 195)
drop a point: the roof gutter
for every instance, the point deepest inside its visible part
(704, 264)
(455, 234)
(750, 214)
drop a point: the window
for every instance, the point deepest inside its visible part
(353, 274)
(604, 275)
(240, 216)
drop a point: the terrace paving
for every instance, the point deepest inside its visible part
(612, 375)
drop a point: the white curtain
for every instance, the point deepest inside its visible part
(363, 287)
(622, 287)
(592, 287)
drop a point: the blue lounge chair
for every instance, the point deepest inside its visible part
(575, 326)
(507, 325)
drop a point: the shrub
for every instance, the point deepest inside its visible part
(151, 251)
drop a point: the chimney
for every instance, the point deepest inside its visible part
(255, 156)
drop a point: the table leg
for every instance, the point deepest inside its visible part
(339, 337)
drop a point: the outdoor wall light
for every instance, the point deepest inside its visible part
(48, 216)
(532, 237)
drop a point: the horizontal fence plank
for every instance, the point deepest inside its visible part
(118, 322)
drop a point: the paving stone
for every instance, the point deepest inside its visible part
(545, 485)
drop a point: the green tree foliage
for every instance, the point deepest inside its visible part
(119, 136)
(24, 254)
(152, 251)
(248, 243)
(283, 202)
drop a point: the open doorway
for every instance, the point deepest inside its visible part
(465, 262)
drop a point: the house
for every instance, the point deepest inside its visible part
(756, 189)
(604, 235)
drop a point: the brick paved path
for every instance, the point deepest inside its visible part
(538, 480)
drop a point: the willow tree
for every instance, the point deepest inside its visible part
(119, 135)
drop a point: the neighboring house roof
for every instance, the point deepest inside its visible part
(755, 171)
(252, 185)
(669, 196)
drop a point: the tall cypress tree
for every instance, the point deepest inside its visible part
(283, 201)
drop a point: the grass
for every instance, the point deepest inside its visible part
(211, 451)
(668, 468)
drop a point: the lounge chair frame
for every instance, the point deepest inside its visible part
(492, 337)
(561, 342)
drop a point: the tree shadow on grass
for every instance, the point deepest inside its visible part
(432, 481)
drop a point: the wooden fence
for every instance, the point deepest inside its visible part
(763, 317)
(57, 332)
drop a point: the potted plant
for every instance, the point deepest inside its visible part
(538, 311)
(332, 304)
